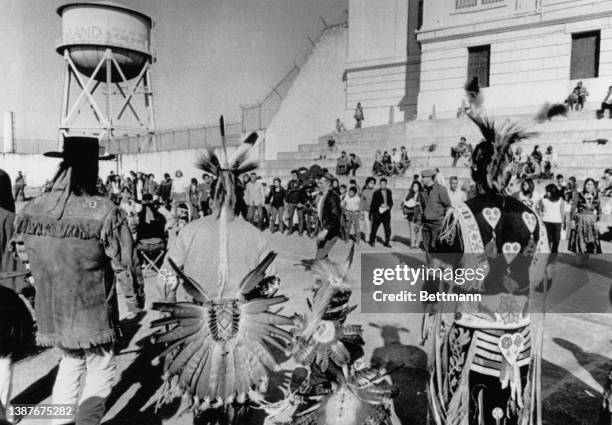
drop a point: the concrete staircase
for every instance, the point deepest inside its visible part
(566, 135)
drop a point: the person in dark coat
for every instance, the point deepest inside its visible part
(165, 189)
(16, 322)
(295, 201)
(434, 202)
(78, 245)
(329, 210)
(20, 185)
(380, 212)
(276, 199)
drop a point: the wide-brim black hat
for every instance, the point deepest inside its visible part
(80, 149)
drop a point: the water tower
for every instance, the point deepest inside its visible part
(107, 79)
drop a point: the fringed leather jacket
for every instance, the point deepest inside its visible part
(72, 261)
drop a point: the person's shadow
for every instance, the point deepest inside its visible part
(148, 377)
(567, 398)
(408, 371)
(585, 358)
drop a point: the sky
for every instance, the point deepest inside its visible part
(212, 56)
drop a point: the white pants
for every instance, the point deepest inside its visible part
(6, 379)
(100, 367)
(367, 226)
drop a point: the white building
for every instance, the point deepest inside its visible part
(382, 63)
(524, 52)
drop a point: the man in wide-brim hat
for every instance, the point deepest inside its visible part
(75, 240)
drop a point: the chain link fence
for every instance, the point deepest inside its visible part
(175, 139)
(33, 146)
(258, 117)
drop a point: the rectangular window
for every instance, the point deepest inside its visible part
(479, 58)
(420, 17)
(462, 4)
(585, 55)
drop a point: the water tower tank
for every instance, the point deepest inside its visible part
(89, 28)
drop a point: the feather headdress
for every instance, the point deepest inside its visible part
(218, 352)
(492, 156)
(320, 336)
(333, 290)
(226, 170)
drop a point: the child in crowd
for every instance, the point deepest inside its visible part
(351, 207)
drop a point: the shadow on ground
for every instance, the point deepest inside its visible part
(411, 404)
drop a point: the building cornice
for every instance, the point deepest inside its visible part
(413, 60)
(429, 36)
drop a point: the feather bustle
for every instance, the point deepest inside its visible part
(215, 370)
(197, 376)
(262, 304)
(179, 362)
(230, 375)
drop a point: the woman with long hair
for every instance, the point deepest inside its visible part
(410, 207)
(525, 195)
(552, 210)
(378, 168)
(586, 210)
(536, 154)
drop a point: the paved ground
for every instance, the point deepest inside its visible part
(577, 347)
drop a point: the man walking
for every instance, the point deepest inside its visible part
(329, 211)
(74, 240)
(366, 203)
(255, 198)
(434, 202)
(295, 203)
(380, 211)
(276, 199)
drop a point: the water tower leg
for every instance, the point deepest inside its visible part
(148, 90)
(109, 93)
(65, 100)
(87, 90)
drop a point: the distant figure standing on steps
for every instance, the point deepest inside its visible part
(358, 115)
(606, 104)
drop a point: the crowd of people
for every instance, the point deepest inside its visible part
(114, 222)
(293, 206)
